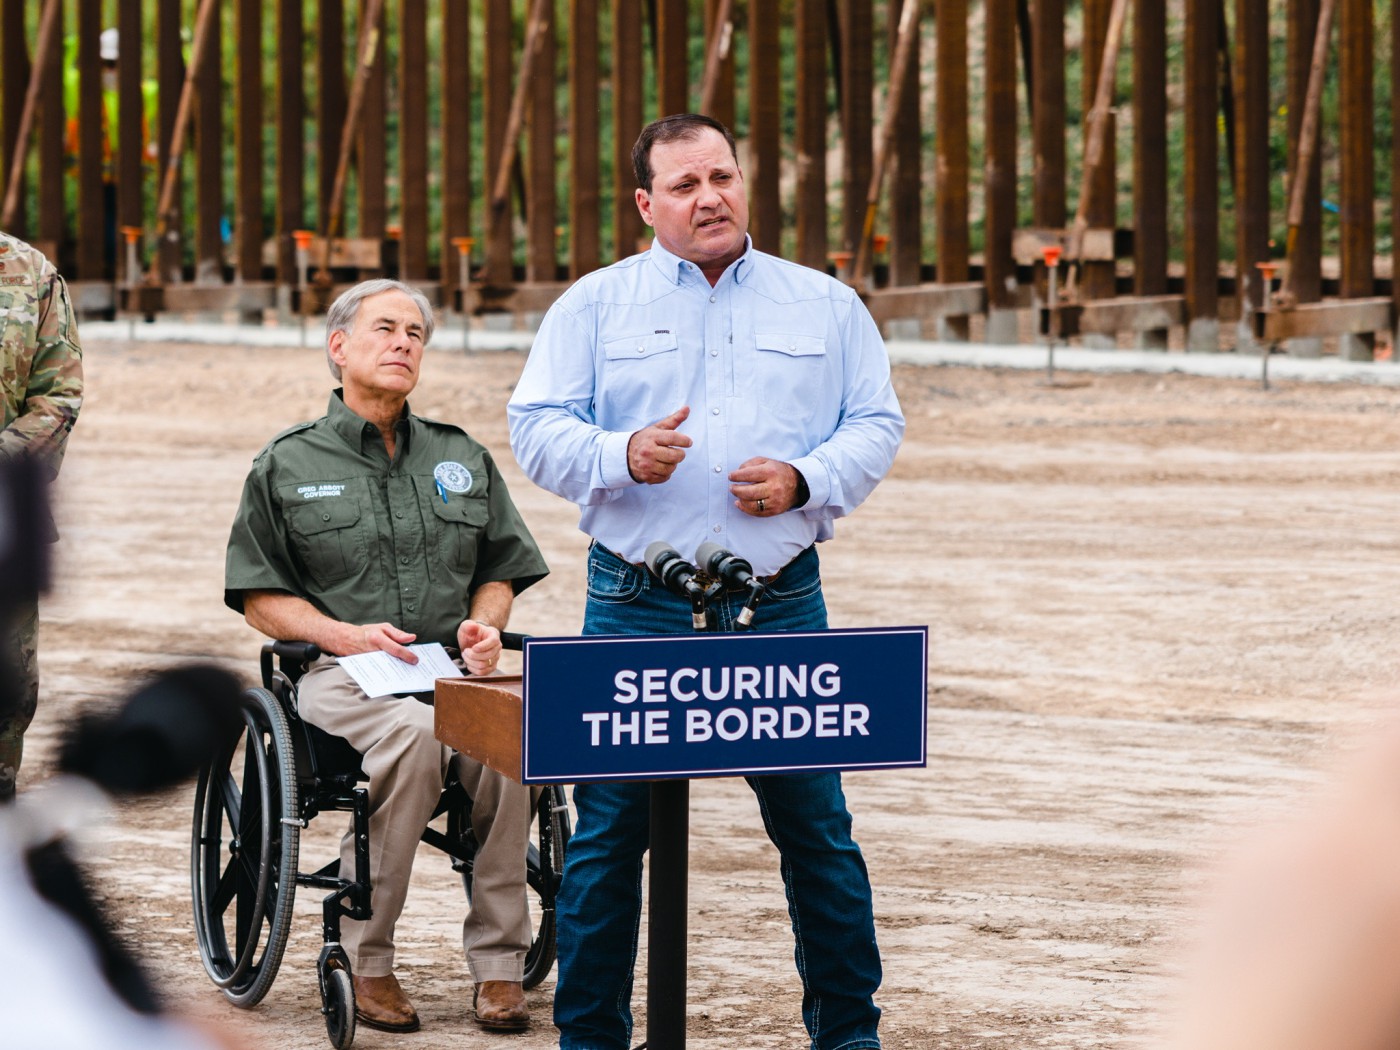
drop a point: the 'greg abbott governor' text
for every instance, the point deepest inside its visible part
(762, 690)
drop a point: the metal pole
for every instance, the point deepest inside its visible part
(1266, 347)
(1052, 254)
(666, 927)
(464, 281)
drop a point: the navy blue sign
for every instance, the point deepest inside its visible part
(674, 706)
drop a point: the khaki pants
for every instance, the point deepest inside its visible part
(407, 767)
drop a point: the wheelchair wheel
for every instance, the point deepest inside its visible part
(338, 1005)
(544, 870)
(243, 856)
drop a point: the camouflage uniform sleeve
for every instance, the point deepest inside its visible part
(41, 339)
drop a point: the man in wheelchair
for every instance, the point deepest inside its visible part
(369, 529)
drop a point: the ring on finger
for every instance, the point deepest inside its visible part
(761, 505)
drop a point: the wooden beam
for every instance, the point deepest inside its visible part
(331, 101)
(905, 215)
(999, 270)
(857, 115)
(498, 46)
(717, 81)
(765, 128)
(542, 204)
(248, 141)
(366, 51)
(1305, 257)
(952, 167)
(89, 254)
(585, 177)
(371, 158)
(1357, 184)
(628, 58)
(15, 71)
(456, 137)
(1097, 187)
(167, 208)
(1202, 160)
(208, 131)
(413, 138)
(672, 50)
(45, 54)
(133, 137)
(1331, 318)
(290, 208)
(904, 58)
(1149, 147)
(1303, 185)
(811, 31)
(169, 255)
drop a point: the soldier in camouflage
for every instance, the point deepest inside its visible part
(41, 389)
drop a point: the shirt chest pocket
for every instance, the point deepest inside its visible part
(641, 381)
(460, 523)
(787, 369)
(329, 538)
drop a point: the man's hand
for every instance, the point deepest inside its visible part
(382, 636)
(654, 452)
(480, 644)
(764, 487)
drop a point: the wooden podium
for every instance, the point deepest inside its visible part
(482, 718)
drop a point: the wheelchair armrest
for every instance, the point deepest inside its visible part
(512, 640)
(295, 658)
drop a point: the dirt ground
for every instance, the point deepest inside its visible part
(1157, 604)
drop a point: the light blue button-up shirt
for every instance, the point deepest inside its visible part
(774, 360)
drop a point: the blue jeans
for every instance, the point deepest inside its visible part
(828, 889)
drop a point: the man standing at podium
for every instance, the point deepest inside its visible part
(706, 391)
(367, 530)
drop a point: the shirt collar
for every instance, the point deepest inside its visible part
(672, 266)
(355, 430)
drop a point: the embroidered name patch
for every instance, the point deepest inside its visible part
(321, 491)
(453, 476)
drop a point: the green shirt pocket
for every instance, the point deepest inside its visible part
(459, 525)
(327, 537)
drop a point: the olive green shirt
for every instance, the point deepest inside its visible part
(326, 516)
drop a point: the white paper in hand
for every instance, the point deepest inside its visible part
(380, 674)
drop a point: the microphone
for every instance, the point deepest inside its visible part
(734, 572)
(724, 565)
(166, 732)
(666, 564)
(678, 576)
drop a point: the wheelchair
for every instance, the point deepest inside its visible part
(251, 803)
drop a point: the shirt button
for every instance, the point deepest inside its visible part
(718, 468)
(412, 608)
(714, 411)
(325, 517)
(719, 528)
(403, 560)
(398, 514)
(714, 353)
(713, 299)
(641, 349)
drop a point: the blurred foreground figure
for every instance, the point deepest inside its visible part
(41, 390)
(1300, 946)
(66, 982)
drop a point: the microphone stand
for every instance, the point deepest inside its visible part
(668, 890)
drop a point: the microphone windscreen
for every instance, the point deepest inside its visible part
(708, 556)
(656, 553)
(163, 734)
